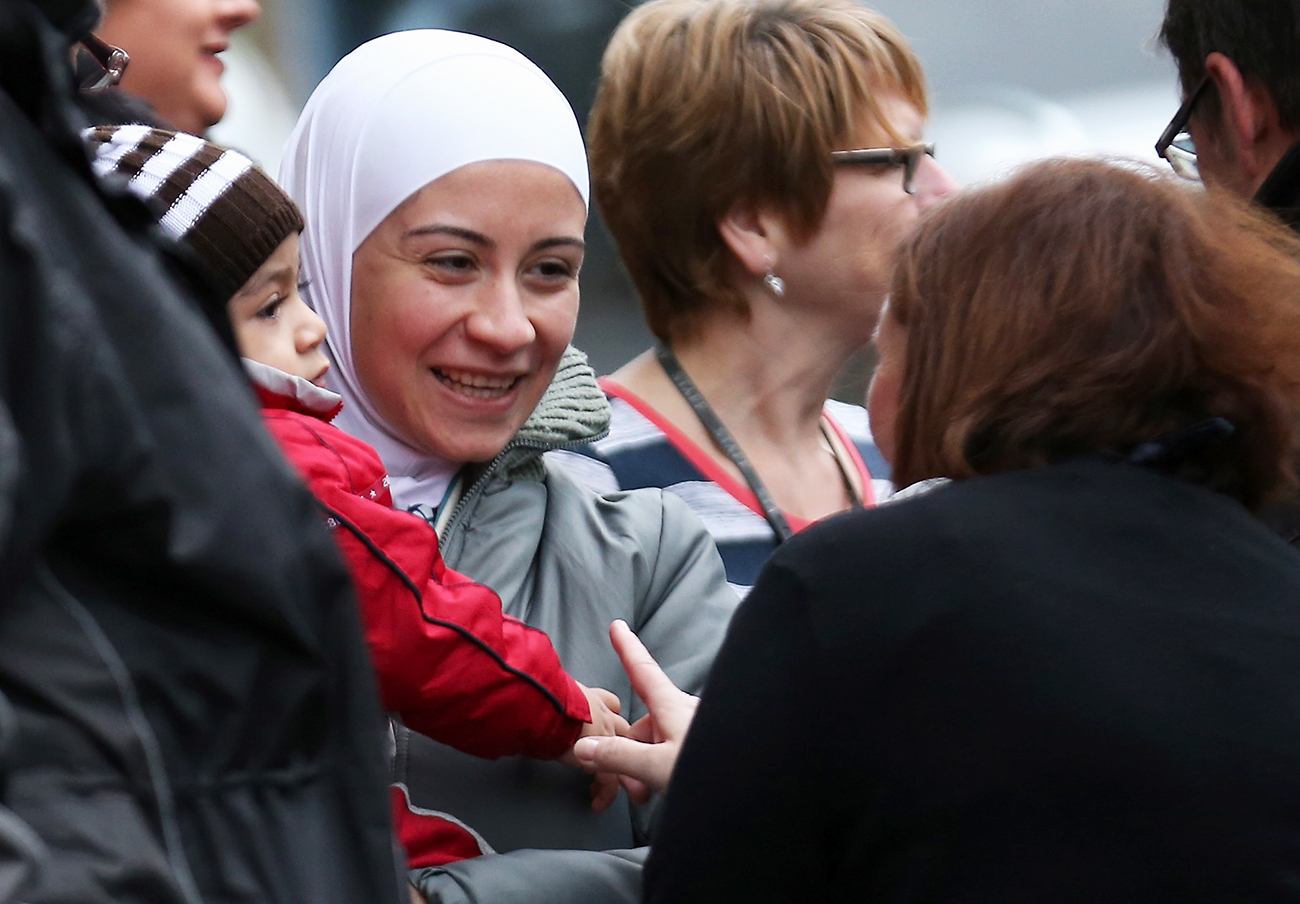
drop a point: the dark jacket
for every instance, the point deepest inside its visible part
(1070, 683)
(1280, 193)
(195, 715)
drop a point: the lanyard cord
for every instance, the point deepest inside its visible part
(726, 442)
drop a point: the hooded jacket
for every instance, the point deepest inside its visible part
(194, 717)
(569, 561)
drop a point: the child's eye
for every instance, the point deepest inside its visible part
(271, 310)
(302, 285)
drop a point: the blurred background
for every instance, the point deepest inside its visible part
(1010, 80)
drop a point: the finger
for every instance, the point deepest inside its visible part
(643, 729)
(609, 698)
(604, 791)
(648, 680)
(637, 791)
(645, 762)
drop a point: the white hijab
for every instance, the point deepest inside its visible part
(395, 114)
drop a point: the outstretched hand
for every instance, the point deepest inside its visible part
(645, 757)
(605, 720)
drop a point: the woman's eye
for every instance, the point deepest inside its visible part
(555, 270)
(456, 264)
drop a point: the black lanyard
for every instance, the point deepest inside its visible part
(726, 442)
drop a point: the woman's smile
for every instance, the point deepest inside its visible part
(476, 385)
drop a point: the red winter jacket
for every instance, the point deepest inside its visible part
(450, 663)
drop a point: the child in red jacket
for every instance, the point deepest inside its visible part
(450, 664)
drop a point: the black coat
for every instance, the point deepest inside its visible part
(1280, 193)
(1073, 683)
(193, 713)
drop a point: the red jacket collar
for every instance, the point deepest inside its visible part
(277, 389)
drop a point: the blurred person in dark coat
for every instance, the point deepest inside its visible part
(190, 711)
(1072, 670)
(1238, 128)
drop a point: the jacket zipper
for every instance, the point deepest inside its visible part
(476, 488)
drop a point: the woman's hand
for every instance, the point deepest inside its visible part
(644, 759)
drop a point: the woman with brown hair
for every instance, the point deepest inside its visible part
(758, 162)
(1072, 672)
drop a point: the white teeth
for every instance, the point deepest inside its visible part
(476, 386)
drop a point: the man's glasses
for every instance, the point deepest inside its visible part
(1175, 144)
(113, 60)
(908, 158)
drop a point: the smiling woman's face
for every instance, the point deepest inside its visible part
(463, 301)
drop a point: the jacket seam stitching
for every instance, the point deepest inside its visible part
(459, 629)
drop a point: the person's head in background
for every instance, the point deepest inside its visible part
(1083, 307)
(711, 145)
(1239, 66)
(174, 47)
(242, 228)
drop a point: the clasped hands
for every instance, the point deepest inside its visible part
(638, 757)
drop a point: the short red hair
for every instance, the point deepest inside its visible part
(704, 103)
(1084, 306)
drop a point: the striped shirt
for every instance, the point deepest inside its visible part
(644, 450)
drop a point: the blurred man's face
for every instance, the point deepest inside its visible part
(174, 47)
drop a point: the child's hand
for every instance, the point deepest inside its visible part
(605, 708)
(605, 721)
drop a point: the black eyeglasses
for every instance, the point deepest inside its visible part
(909, 158)
(1175, 144)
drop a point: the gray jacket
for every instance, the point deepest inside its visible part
(568, 561)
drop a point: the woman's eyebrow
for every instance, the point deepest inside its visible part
(479, 238)
(468, 235)
(561, 241)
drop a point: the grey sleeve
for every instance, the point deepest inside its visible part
(683, 613)
(536, 877)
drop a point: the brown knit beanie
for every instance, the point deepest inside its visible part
(214, 200)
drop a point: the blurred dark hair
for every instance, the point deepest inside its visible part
(1262, 37)
(1084, 306)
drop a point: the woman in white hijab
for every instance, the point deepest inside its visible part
(444, 184)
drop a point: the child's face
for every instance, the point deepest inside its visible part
(273, 325)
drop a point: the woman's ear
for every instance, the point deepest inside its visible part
(754, 234)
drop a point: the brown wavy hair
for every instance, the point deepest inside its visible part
(1085, 306)
(704, 103)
